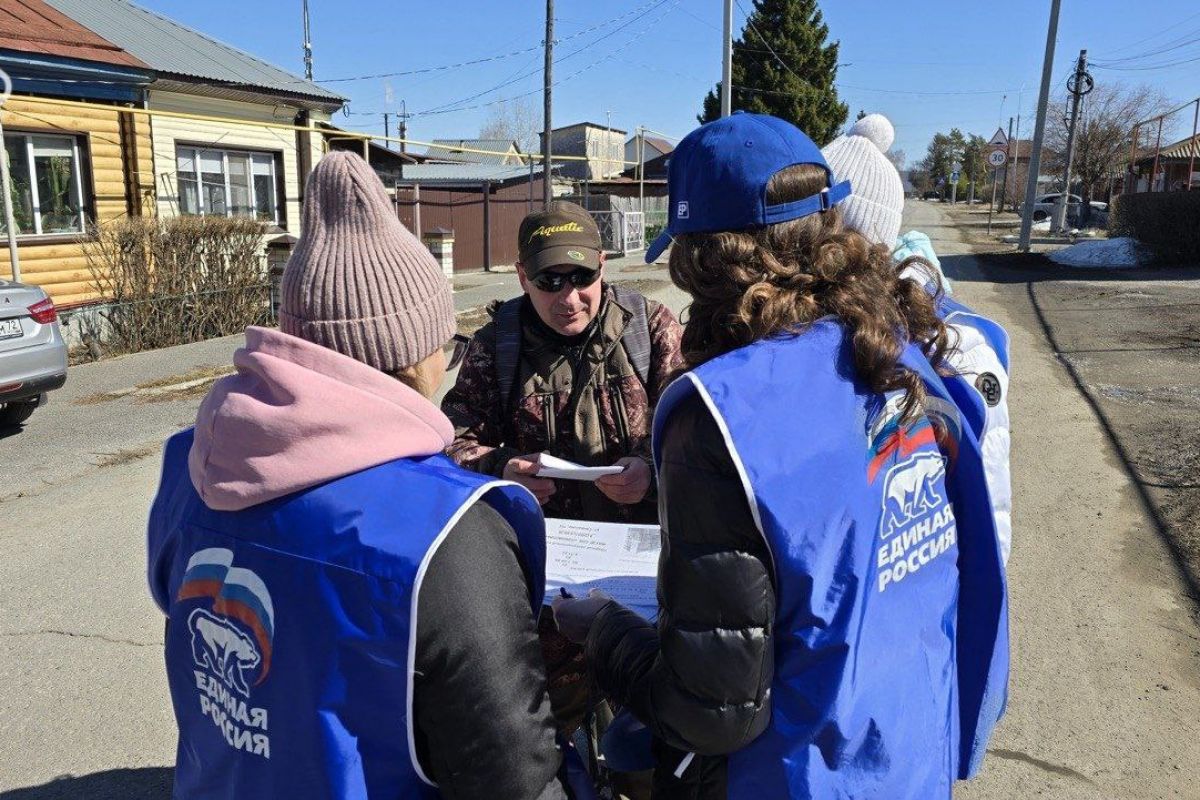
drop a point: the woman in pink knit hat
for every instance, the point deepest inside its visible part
(349, 615)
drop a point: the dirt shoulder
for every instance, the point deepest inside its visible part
(1131, 342)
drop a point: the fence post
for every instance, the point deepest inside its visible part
(1193, 145)
(1157, 153)
(1130, 175)
(417, 209)
(487, 227)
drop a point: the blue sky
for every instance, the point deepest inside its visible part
(928, 64)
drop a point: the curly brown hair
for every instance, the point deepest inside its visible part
(750, 285)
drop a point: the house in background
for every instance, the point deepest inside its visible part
(599, 151)
(500, 152)
(654, 168)
(70, 166)
(388, 163)
(1178, 166)
(653, 148)
(251, 167)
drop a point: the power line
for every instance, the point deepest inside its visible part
(784, 64)
(763, 39)
(609, 56)
(455, 105)
(488, 59)
(1149, 67)
(1175, 44)
(1173, 27)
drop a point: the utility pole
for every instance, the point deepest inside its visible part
(1039, 130)
(641, 157)
(1007, 163)
(607, 142)
(727, 62)
(547, 105)
(1079, 85)
(403, 119)
(307, 45)
(10, 223)
(387, 133)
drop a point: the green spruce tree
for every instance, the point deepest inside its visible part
(800, 89)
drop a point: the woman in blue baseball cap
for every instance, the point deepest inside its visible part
(832, 618)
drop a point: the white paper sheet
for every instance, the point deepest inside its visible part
(551, 467)
(620, 560)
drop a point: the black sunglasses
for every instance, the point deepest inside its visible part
(553, 282)
(459, 343)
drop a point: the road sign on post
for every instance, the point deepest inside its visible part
(999, 139)
(998, 158)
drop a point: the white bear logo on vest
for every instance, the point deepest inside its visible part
(918, 523)
(231, 642)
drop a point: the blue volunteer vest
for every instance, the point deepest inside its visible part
(290, 646)
(891, 645)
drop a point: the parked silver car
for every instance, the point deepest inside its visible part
(1043, 207)
(33, 355)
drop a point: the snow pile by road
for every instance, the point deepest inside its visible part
(1121, 253)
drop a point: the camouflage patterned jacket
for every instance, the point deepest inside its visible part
(587, 406)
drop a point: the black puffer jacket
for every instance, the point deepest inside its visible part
(700, 680)
(483, 722)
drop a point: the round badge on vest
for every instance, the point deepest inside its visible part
(989, 386)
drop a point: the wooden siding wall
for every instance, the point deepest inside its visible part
(171, 130)
(61, 267)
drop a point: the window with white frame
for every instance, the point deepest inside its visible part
(47, 187)
(227, 183)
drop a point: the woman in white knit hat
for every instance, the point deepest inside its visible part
(981, 357)
(349, 614)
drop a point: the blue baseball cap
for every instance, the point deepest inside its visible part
(718, 176)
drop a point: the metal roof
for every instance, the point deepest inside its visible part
(661, 145)
(32, 26)
(1183, 149)
(465, 173)
(588, 125)
(502, 150)
(169, 47)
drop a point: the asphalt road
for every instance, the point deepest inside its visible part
(1105, 699)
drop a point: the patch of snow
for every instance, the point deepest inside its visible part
(1043, 226)
(1121, 253)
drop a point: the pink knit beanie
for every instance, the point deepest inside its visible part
(359, 282)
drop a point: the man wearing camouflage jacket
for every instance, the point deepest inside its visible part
(573, 368)
(568, 360)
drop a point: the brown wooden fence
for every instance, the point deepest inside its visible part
(476, 217)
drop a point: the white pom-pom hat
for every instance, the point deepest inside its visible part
(877, 201)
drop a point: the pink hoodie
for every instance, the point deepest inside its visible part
(297, 414)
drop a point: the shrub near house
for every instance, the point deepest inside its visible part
(1168, 222)
(180, 280)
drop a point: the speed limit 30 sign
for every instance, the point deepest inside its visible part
(997, 158)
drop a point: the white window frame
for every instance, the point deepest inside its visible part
(196, 149)
(34, 198)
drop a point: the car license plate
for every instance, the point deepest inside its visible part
(10, 328)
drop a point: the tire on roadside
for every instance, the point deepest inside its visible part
(13, 414)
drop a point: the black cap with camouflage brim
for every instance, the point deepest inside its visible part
(564, 235)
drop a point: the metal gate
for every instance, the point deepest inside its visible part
(622, 232)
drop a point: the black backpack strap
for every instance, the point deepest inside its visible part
(508, 348)
(636, 338)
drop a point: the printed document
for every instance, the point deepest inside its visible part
(620, 560)
(551, 467)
